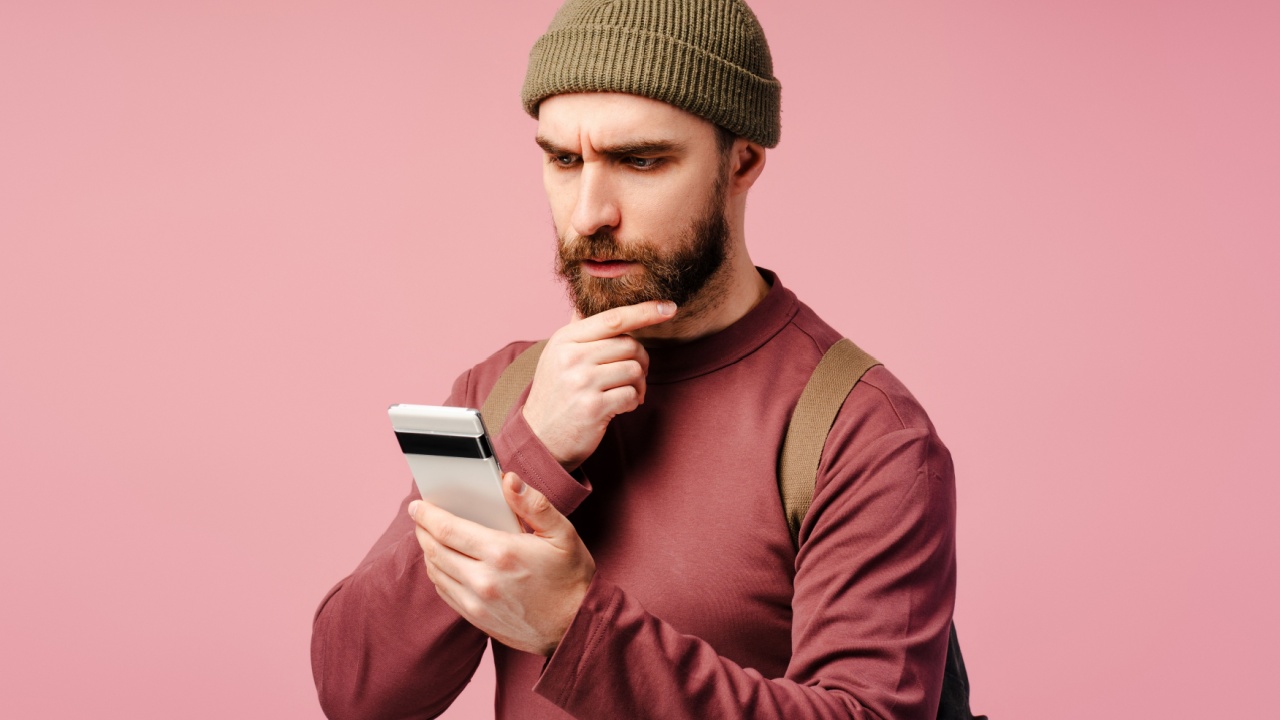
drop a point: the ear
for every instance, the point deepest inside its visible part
(746, 162)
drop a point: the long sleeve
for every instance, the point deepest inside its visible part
(384, 644)
(701, 607)
(873, 596)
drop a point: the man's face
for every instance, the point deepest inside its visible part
(637, 192)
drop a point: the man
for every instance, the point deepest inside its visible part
(659, 577)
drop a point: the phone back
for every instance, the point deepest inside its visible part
(453, 463)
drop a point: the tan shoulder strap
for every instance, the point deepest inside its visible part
(511, 383)
(833, 379)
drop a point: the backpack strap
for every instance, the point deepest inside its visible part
(833, 379)
(511, 384)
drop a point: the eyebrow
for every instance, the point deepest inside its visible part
(634, 147)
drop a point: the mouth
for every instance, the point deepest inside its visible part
(605, 268)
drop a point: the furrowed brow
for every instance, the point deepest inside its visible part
(635, 147)
(551, 148)
(642, 147)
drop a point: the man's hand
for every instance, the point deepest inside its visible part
(589, 372)
(522, 590)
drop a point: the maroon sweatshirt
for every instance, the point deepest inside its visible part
(700, 607)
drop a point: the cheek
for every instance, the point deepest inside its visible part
(663, 207)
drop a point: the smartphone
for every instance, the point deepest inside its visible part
(452, 462)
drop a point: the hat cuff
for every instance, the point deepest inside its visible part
(639, 62)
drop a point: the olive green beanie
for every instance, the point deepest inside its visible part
(708, 57)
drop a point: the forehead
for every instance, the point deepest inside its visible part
(606, 119)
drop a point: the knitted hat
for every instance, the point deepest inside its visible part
(708, 57)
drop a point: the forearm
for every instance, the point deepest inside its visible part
(619, 661)
(385, 645)
(873, 595)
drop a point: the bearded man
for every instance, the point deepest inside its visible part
(659, 577)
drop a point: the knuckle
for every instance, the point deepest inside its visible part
(634, 369)
(577, 377)
(574, 354)
(485, 589)
(475, 609)
(594, 405)
(612, 319)
(503, 558)
(631, 395)
(540, 504)
(444, 533)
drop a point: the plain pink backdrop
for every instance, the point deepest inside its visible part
(234, 232)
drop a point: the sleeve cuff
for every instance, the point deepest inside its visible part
(598, 613)
(520, 451)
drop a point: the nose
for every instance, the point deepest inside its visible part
(597, 205)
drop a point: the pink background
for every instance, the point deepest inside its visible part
(234, 232)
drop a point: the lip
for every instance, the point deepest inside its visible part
(602, 268)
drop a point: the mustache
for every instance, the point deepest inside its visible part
(600, 245)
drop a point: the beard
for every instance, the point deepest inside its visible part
(678, 275)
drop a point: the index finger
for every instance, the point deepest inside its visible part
(620, 320)
(464, 536)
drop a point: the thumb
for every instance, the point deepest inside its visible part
(532, 507)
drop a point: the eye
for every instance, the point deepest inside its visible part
(563, 161)
(642, 163)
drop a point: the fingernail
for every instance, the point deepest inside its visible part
(517, 485)
(667, 308)
(413, 508)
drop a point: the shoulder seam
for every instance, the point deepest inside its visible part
(809, 335)
(888, 400)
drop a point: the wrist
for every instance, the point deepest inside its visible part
(578, 597)
(548, 440)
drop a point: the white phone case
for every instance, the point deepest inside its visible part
(452, 462)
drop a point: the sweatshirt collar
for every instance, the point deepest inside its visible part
(674, 363)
